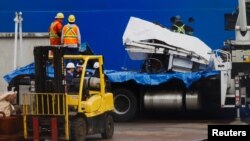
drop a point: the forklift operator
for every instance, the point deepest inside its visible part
(70, 74)
(79, 67)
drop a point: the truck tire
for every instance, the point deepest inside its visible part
(125, 104)
(78, 129)
(108, 127)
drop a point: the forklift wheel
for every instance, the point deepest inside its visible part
(108, 127)
(78, 129)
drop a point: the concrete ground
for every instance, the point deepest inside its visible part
(158, 131)
(161, 130)
(169, 126)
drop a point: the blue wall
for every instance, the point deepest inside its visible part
(102, 22)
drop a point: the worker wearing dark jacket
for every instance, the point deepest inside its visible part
(55, 30)
(71, 37)
(70, 75)
(79, 68)
(179, 27)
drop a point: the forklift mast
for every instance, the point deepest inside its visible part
(44, 84)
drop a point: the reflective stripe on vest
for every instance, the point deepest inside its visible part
(180, 29)
(52, 33)
(70, 35)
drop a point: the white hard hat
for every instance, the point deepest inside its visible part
(59, 15)
(96, 65)
(70, 65)
(79, 65)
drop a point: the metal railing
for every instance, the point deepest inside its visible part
(44, 104)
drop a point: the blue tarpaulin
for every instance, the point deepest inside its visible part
(156, 79)
(123, 76)
(26, 70)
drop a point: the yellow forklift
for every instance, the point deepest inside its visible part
(55, 109)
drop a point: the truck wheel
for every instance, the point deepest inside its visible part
(108, 127)
(78, 129)
(125, 104)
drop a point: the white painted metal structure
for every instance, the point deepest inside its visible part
(138, 33)
(18, 29)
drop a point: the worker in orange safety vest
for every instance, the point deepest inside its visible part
(71, 37)
(55, 29)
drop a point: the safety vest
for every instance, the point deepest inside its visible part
(70, 35)
(180, 29)
(53, 33)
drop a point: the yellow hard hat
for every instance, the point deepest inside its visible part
(72, 18)
(59, 15)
